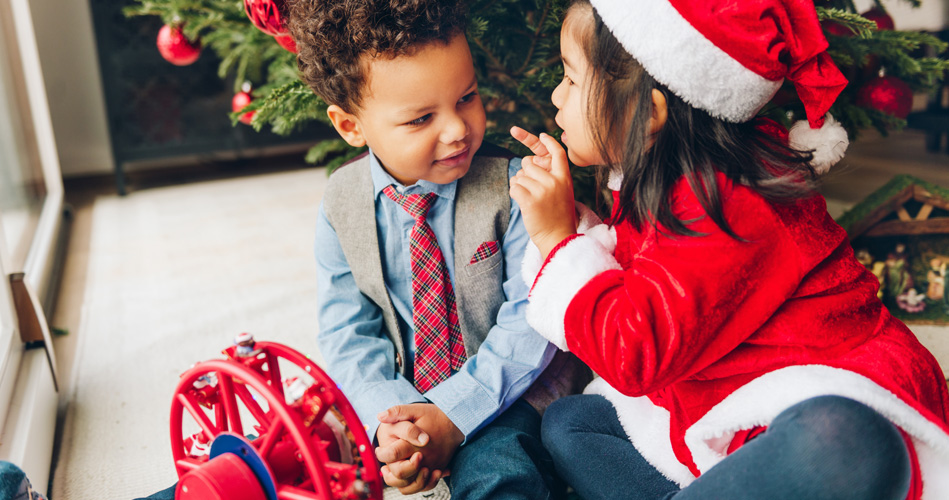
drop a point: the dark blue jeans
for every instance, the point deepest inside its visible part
(827, 447)
(506, 460)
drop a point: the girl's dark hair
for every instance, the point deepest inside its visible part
(692, 143)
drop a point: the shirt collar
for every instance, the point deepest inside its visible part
(381, 179)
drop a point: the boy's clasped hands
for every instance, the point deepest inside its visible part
(416, 443)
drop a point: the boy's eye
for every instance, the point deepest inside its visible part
(468, 97)
(420, 120)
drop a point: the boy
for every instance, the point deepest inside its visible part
(421, 309)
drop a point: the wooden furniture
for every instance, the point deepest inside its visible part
(903, 207)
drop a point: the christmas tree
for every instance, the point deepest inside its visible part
(515, 44)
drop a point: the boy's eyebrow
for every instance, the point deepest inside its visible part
(426, 109)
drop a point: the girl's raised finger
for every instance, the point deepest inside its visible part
(530, 140)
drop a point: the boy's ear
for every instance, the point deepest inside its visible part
(660, 112)
(347, 125)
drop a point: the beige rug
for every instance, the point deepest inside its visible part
(174, 274)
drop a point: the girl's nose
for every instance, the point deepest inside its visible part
(556, 97)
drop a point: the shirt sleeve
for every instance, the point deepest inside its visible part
(359, 356)
(512, 355)
(679, 304)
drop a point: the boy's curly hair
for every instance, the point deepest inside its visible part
(332, 36)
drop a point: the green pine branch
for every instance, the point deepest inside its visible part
(859, 25)
(286, 108)
(515, 46)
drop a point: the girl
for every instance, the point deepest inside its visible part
(741, 348)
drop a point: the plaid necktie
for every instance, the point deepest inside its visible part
(439, 348)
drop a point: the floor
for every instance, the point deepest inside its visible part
(81, 195)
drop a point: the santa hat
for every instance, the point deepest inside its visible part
(730, 57)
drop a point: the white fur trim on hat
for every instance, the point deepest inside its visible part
(681, 58)
(567, 271)
(829, 142)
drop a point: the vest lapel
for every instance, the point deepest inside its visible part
(351, 205)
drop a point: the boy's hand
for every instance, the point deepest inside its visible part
(407, 471)
(544, 191)
(398, 448)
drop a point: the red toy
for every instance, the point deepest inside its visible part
(306, 441)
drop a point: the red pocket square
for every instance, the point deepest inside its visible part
(487, 249)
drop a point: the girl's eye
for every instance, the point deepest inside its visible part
(420, 120)
(567, 79)
(467, 98)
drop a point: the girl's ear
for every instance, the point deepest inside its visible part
(347, 124)
(659, 112)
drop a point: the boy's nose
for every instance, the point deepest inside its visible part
(455, 130)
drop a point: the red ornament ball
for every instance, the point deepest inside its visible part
(267, 15)
(879, 16)
(239, 102)
(286, 42)
(888, 94)
(175, 47)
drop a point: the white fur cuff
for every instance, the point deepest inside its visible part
(590, 223)
(567, 271)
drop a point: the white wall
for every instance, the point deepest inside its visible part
(66, 42)
(932, 15)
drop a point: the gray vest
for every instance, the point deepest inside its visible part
(482, 212)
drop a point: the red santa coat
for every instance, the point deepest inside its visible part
(698, 338)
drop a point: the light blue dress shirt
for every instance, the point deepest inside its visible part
(352, 339)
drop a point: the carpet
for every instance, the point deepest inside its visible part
(175, 273)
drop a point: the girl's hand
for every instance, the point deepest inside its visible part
(544, 190)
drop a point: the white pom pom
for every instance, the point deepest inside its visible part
(829, 143)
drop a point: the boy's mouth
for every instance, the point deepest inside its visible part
(456, 158)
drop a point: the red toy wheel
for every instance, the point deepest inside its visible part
(294, 439)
